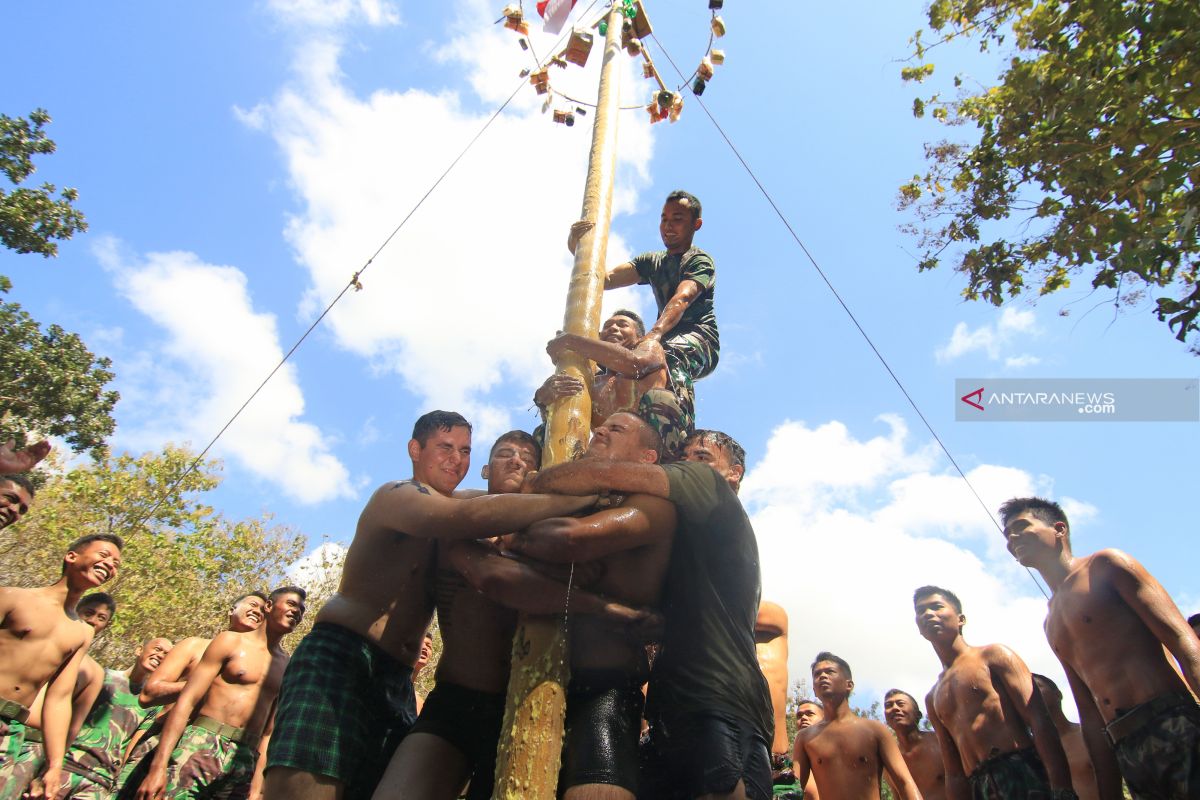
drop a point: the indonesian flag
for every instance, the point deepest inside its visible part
(555, 12)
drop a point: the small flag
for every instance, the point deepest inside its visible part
(555, 12)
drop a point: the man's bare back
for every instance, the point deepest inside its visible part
(771, 644)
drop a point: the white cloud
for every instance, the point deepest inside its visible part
(996, 340)
(332, 13)
(848, 528)
(319, 568)
(214, 352)
(464, 298)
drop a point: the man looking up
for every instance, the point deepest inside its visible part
(42, 643)
(212, 734)
(708, 705)
(1083, 777)
(631, 375)
(16, 494)
(1096, 602)
(919, 748)
(94, 757)
(351, 676)
(808, 713)
(844, 752)
(988, 717)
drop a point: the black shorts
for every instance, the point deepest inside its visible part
(604, 721)
(469, 720)
(693, 754)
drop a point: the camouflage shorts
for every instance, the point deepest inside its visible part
(673, 420)
(12, 738)
(82, 787)
(205, 765)
(1161, 759)
(145, 746)
(1015, 775)
(28, 765)
(690, 356)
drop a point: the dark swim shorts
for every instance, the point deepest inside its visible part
(343, 709)
(470, 720)
(604, 721)
(1011, 775)
(692, 754)
(1157, 745)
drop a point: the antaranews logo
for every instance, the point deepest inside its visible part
(1075, 399)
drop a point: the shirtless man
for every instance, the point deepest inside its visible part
(632, 544)
(162, 688)
(984, 709)
(16, 494)
(97, 610)
(1108, 623)
(709, 706)
(808, 713)
(1083, 777)
(631, 375)
(351, 676)
(422, 662)
(846, 753)
(215, 752)
(919, 748)
(770, 642)
(454, 739)
(94, 758)
(42, 644)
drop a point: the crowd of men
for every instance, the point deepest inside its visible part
(675, 663)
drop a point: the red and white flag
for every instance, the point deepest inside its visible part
(555, 12)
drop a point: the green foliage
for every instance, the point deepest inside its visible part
(32, 219)
(51, 384)
(183, 564)
(1091, 140)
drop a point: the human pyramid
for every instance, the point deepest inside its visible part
(678, 673)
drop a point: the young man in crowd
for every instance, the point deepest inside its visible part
(918, 748)
(210, 745)
(42, 644)
(352, 675)
(1083, 777)
(1128, 694)
(844, 752)
(808, 713)
(991, 724)
(709, 706)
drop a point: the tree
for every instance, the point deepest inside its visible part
(183, 564)
(51, 384)
(32, 219)
(1091, 140)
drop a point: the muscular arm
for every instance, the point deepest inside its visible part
(1104, 763)
(198, 684)
(900, 779)
(415, 509)
(957, 787)
(588, 476)
(638, 521)
(639, 362)
(520, 587)
(1013, 678)
(56, 710)
(621, 275)
(165, 683)
(1150, 601)
(685, 294)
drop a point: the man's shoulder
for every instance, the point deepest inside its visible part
(1108, 561)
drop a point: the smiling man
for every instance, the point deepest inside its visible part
(211, 737)
(919, 748)
(351, 678)
(1128, 694)
(16, 495)
(42, 643)
(992, 727)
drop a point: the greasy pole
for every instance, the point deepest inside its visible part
(527, 760)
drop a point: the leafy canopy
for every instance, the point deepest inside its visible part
(1091, 140)
(32, 219)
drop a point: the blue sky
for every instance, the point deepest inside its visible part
(238, 162)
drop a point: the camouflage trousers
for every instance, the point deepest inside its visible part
(690, 356)
(28, 766)
(12, 739)
(77, 786)
(667, 414)
(205, 765)
(145, 746)
(1160, 760)
(1015, 775)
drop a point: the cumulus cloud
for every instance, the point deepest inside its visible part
(996, 340)
(848, 527)
(463, 299)
(215, 349)
(331, 13)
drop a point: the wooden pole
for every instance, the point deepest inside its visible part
(527, 761)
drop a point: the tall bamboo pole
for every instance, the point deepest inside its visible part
(527, 761)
